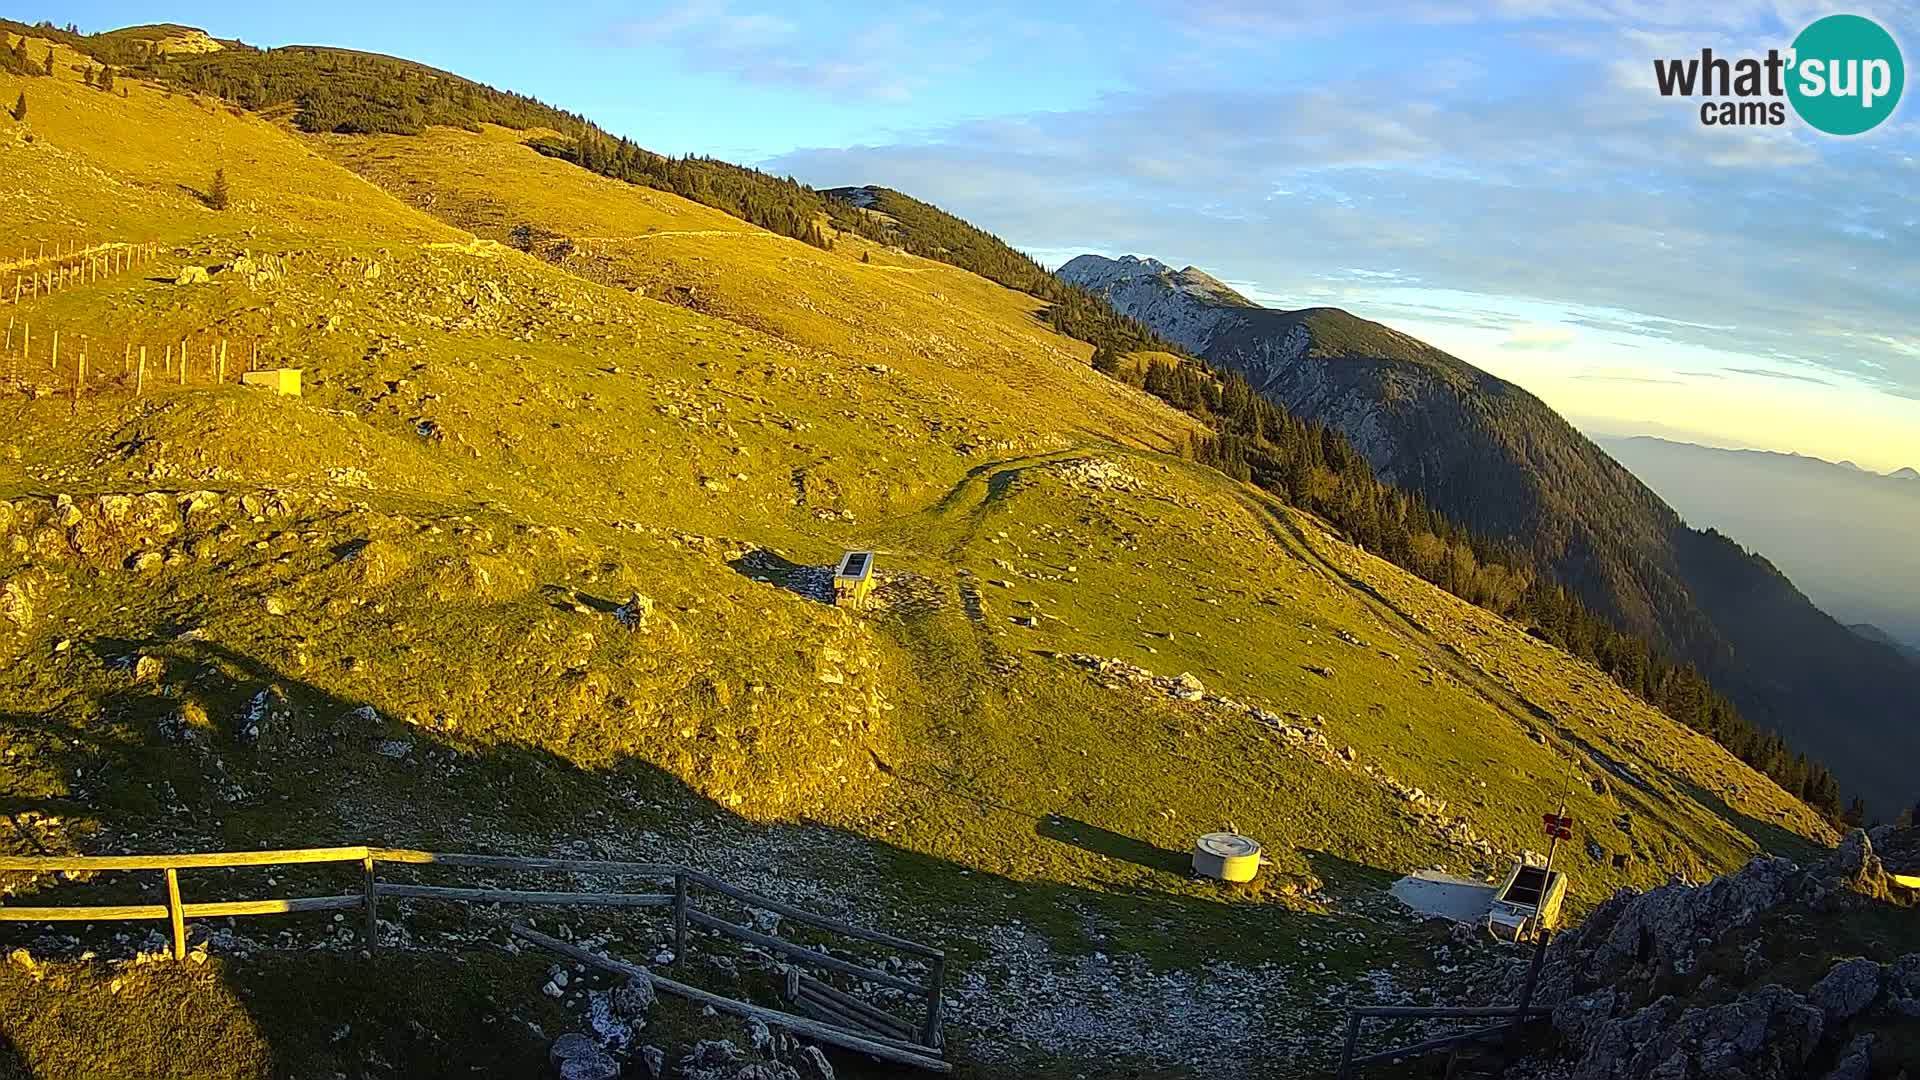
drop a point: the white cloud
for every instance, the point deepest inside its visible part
(1538, 336)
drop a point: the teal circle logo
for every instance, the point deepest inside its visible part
(1846, 75)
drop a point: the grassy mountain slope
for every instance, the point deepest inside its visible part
(400, 609)
(1497, 459)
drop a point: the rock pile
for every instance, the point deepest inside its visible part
(1097, 474)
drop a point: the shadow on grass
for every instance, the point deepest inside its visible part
(12, 1065)
(1771, 838)
(1113, 845)
(316, 775)
(811, 582)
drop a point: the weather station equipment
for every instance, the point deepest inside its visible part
(1226, 856)
(853, 581)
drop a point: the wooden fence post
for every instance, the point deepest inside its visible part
(936, 981)
(56, 350)
(680, 915)
(140, 379)
(373, 912)
(177, 913)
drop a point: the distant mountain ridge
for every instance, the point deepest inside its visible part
(1497, 458)
(1844, 534)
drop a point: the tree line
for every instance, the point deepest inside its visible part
(780, 205)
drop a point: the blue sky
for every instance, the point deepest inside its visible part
(1499, 178)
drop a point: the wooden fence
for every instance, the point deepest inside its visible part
(43, 274)
(87, 365)
(842, 1018)
(1511, 1018)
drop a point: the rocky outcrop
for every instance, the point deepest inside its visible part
(1633, 997)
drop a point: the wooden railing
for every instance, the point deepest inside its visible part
(1511, 1018)
(852, 1017)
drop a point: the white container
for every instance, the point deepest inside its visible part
(1226, 856)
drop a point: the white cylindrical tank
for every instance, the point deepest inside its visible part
(1226, 856)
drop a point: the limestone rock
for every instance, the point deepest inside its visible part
(19, 600)
(572, 1044)
(191, 275)
(767, 1070)
(1847, 989)
(711, 1059)
(1903, 986)
(812, 1064)
(1856, 1061)
(1854, 867)
(634, 1000)
(1768, 1035)
(1187, 688)
(635, 612)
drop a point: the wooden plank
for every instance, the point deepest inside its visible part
(521, 896)
(294, 905)
(805, 916)
(1441, 1043)
(774, 1018)
(177, 913)
(103, 913)
(1353, 1040)
(936, 987)
(831, 1012)
(1450, 1011)
(515, 862)
(44, 863)
(804, 954)
(871, 1014)
(680, 915)
(371, 900)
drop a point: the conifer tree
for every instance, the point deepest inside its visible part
(219, 198)
(20, 106)
(105, 81)
(47, 67)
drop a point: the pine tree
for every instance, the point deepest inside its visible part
(88, 77)
(20, 106)
(105, 81)
(219, 197)
(47, 67)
